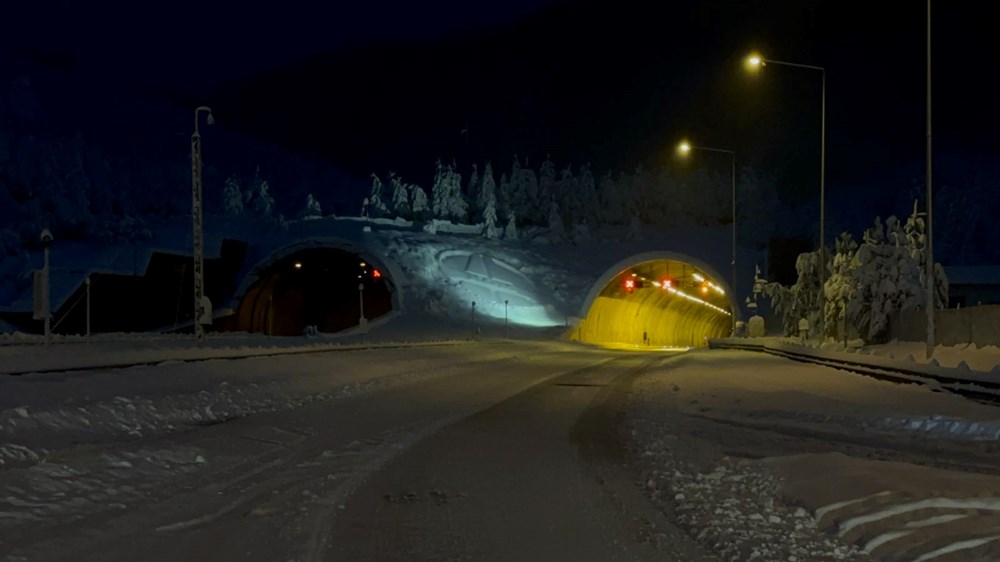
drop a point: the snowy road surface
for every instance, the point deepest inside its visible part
(493, 451)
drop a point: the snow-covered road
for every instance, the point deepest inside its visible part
(493, 451)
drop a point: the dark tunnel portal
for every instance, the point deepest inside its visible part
(314, 287)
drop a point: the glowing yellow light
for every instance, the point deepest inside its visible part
(755, 61)
(684, 148)
(298, 265)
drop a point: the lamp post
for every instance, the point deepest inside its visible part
(756, 62)
(505, 333)
(685, 148)
(46, 294)
(473, 319)
(362, 322)
(198, 232)
(929, 272)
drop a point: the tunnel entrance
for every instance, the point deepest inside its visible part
(657, 303)
(314, 287)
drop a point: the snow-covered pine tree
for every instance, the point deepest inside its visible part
(504, 196)
(440, 206)
(557, 227)
(839, 286)
(915, 229)
(566, 192)
(491, 232)
(232, 197)
(589, 205)
(262, 201)
(421, 210)
(634, 228)
(612, 206)
(510, 231)
(400, 197)
(376, 202)
(472, 194)
(487, 191)
(458, 210)
(312, 209)
(546, 183)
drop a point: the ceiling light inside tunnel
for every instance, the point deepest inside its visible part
(691, 298)
(298, 265)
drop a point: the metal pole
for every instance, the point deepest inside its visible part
(88, 305)
(822, 215)
(196, 218)
(473, 319)
(733, 286)
(361, 301)
(929, 274)
(47, 301)
(505, 333)
(198, 253)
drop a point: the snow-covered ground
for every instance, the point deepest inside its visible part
(761, 458)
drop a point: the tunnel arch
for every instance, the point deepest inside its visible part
(611, 314)
(253, 301)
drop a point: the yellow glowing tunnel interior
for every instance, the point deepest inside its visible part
(658, 303)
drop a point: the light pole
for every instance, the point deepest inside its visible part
(505, 333)
(755, 62)
(473, 319)
(929, 272)
(196, 219)
(46, 294)
(685, 148)
(362, 322)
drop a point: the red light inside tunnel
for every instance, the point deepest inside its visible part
(630, 285)
(666, 283)
(376, 274)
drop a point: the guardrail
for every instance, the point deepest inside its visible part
(957, 381)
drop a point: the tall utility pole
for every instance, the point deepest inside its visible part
(929, 271)
(197, 208)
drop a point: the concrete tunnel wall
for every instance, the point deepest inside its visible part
(667, 319)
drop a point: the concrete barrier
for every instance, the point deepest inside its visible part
(953, 326)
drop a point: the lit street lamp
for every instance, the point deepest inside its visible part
(685, 148)
(755, 62)
(198, 235)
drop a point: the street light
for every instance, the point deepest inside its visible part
(196, 218)
(929, 272)
(755, 62)
(684, 149)
(47, 238)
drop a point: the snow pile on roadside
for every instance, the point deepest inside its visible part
(733, 508)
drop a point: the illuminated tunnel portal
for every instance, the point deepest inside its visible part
(313, 287)
(657, 303)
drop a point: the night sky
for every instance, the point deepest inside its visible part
(395, 85)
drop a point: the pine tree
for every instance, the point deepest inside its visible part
(421, 210)
(457, 209)
(232, 197)
(312, 209)
(472, 194)
(589, 205)
(839, 286)
(510, 231)
(491, 232)
(487, 191)
(634, 228)
(376, 203)
(557, 228)
(440, 205)
(545, 190)
(400, 197)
